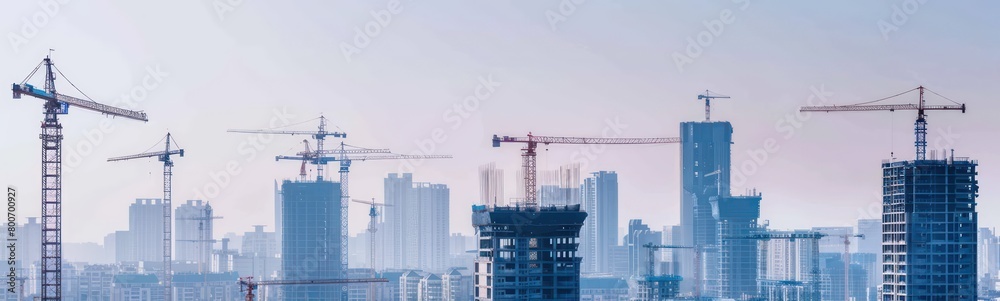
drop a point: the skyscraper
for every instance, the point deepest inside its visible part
(416, 232)
(193, 231)
(277, 215)
(527, 253)
(600, 201)
(638, 235)
(432, 235)
(311, 248)
(145, 226)
(989, 260)
(738, 258)
(929, 221)
(705, 173)
(871, 244)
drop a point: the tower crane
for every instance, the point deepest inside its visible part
(698, 255)
(168, 165)
(203, 233)
(919, 127)
(708, 96)
(309, 156)
(57, 104)
(814, 236)
(346, 156)
(847, 262)
(320, 135)
(248, 285)
(531, 142)
(373, 213)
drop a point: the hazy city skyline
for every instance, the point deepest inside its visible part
(601, 67)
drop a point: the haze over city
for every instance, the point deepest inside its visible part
(441, 78)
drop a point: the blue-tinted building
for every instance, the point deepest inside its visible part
(705, 174)
(311, 238)
(738, 258)
(600, 236)
(527, 253)
(929, 225)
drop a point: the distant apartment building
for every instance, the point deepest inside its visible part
(416, 228)
(409, 286)
(600, 231)
(206, 286)
(145, 227)
(193, 233)
(136, 287)
(604, 289)
(360, 292)
(988, 262)
(638, 235)
(518, 260)
(871, 244)
(95, 282)
(835, 286)
(929, 224)
(456, 285)
(786, 267)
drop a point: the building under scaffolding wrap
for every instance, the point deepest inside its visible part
(527, 253)
(929, 224)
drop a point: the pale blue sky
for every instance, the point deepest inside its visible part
(605, 60)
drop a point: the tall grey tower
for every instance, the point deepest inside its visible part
(705, 164)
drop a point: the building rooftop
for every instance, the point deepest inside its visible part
(136, 279)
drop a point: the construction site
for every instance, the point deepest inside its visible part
(667, 203)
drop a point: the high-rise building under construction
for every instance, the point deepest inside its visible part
(705, 166)
(527, 253)
(929, 224)
(311, 242)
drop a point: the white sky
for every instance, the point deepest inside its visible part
(606, 60)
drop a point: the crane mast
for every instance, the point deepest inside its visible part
(708, 96)
(320, 135)
(373, 213)
(51, 196)
(168, 166)
(529, 154)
